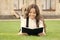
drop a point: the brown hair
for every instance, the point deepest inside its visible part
(37, 13)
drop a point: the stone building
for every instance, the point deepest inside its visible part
(12, 8)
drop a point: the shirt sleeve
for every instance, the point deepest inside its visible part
(22, 21)
(43, 31)
(41, 24)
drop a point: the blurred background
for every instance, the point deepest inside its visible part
(11, 9)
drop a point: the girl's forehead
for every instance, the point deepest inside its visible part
(32, 9)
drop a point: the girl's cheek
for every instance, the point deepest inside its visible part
(34, 14)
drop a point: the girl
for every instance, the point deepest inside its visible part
(32, 23)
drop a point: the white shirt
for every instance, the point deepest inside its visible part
(32, 23)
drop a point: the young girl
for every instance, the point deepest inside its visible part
(32, 23)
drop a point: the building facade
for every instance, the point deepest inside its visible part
(48, 8)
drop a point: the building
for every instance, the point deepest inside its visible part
(12, 8)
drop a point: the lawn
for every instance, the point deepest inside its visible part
(10, 29)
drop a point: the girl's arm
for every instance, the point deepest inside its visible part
(44, 26)
(42, 19)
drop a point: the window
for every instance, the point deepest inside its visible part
(31, 2)
(15, 4)
(18, 4)
(49, 5)
(59, 1)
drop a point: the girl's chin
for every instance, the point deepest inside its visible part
(32, 18)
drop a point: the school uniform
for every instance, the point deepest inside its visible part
(32, 29)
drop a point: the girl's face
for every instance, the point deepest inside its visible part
(32, 13)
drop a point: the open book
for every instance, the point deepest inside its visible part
(32, 31)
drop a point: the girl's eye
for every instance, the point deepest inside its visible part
(33, 12)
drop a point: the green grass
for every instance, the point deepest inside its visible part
(9, 31)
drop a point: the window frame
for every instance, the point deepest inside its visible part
(50, 9)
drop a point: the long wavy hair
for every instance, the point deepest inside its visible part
(37, 13)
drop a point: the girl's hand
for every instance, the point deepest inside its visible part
(41, 34)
